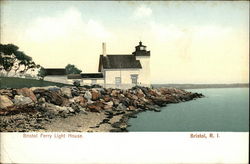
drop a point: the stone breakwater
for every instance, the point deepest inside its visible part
(93, 109)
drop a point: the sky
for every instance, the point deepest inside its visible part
(190, 42)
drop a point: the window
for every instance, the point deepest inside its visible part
(134, 78)
(142, 48)
(118, 81)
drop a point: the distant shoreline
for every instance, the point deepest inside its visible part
(202, 86)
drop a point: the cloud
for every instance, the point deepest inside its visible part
(172, 32)
(57, 27)
(186, 40)
(166, 33)
(211, 31)
(142, 11)
(97, 30)
(68, 25)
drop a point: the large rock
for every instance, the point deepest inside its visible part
(53, 97)
(80, 100)
(108, 105)
(66, 92)
(88, 95)
(170, 99)
(6, 92)
(106, 98)
(116, 101)
(134, 97)
(20, 100)
(75, 91)
(115, 93)
(56, 109)
(125, 101)
(5, 102)
(139, 93)
(159, 101)
(94, 108)
(95, 95)
(131, 108)
(45, 88)
(121, 107)
(26, 92)
(153, 92)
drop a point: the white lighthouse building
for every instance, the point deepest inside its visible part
(125, 71)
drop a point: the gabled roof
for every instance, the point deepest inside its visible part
(55, 71)
(91, 75)
(118, 62)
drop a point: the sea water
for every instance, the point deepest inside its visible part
(222, 109)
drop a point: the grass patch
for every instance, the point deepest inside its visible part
(15, 82)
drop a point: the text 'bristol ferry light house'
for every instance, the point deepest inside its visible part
(125, 71)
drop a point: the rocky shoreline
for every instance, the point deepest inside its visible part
(81, 109)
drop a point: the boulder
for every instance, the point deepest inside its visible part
(144, 100)
(53, 97)
(134, 97)
(114, 93)
(140, 94)
(80, 100)
(26, 92)
(94, 108)
(125, 101)
(108, 105)
(88, 95)
(131, 107)
(170, 99)
(121, 107)
(5, 102)
(52, 88)
(157, 110)
(154, 92)
(159, 101)
(116, 101)
(75, 91)
(6, 92)
(41, 100)
(20, 100)
(150, 107)
(66, 102)
(56, 109)
(83, 110)
(95, 95)
(106, 98)
(66, 91)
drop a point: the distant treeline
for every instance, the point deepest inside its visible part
(197, 86)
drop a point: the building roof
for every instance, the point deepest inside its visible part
(91, 75)
(55, 71)
(118, 62)
(141, 53)
(140, 50)
(74, 76)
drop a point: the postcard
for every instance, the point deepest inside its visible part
(124, 82)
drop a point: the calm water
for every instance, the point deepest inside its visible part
(224, 109)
